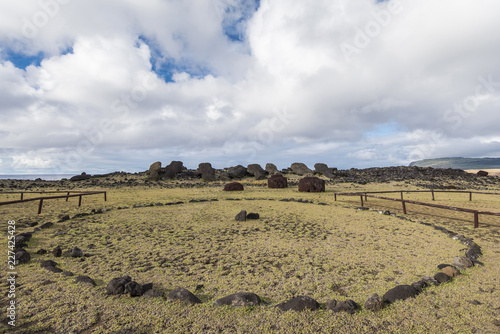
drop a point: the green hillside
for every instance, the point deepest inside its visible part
(459, 163)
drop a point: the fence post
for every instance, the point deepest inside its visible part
(80, 201)
(432, 191)
(335, 196)
(404, 207)
(105, 197)
(361, 197)
(366, 197)
(470, 196)
(401, 195)
(476, 220)
(40, 206)
(67, 196)
(22, 195)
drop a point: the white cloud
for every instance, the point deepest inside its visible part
(224, 97)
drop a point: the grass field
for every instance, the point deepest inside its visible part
(330, 251)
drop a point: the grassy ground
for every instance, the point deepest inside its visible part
(327, 252)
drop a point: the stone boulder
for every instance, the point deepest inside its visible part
(233, 186)
(76, 252)
(237, 172)
(57, 251)
(81, 177)
(482, 173)
(300, 168)
(85, 279)
(242, 216)
(171, 171)
(134, 289)
(117, 285)
(154, 171)
(183, 295)
(253, 215)
(239, 299)
(463, 262)
(374, 303)
(277, 181)
(400, 292)
(22, 256)
(442, 277)
(312, 185)
(323, 169)
(271, 168)
(256, 171)
(299, 304)
(348, 306)
(206, 171)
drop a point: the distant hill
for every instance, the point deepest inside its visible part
(459, 163)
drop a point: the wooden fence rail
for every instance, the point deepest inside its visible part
(366, 194)
(69, 194)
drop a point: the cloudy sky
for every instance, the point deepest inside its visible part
(107, 85)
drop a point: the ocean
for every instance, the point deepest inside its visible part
(46, 177)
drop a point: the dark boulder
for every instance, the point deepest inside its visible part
(117, 285)
(57, 251)
(442, 277)
(237, 172)
(256, 171)
(50, 266)
(277, 181)
(47, 225)
(300, 168)
(298, 304)
(482, 173)
(233, 186)
(146, 287)
(312, 185)
(183, 295)
(239, 299)
(253, 215)
(271, 168)
(241, 217)
(374, 303)
(134, 289)
(22, 256)
(400, 292)
(81, 177)
(171, 171)
(154, 171)
(206, 171)
(323, 169)
(76, 252)
(348, 306)
(85, 279)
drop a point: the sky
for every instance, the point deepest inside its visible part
(115, 85)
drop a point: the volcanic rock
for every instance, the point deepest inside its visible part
(154, 171)
(277, 181)
(299, 303)
(57, 252)
(253, 215)
(348, 306)
(257, 171)
(183, 295)
(22, 256)
(312, 185)
(321, 168)
(300, 168)
(233, 186)
(374, 303)
(239, 299)
(81, 177)
(76, 252)
(242, 216)
(206, 171)
(271, 168)
(450, 271)
(134, 289)
(237, 172)
(47, 225)
(482, 173)
(463, 262)
(85, 279)
(117, 285)
(442, 277)
(171, 171)
(400, 292)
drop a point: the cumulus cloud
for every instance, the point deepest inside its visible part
(351, 83)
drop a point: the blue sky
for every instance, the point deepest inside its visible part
(100, 86)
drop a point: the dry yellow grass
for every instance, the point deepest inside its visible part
(491, 172)
(326, 252)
